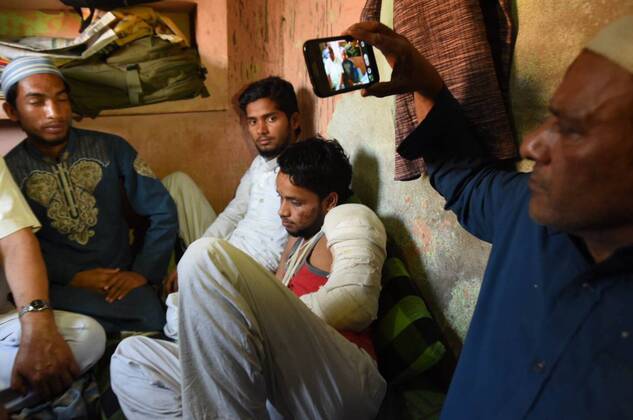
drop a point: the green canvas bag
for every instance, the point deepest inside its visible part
(145, 71)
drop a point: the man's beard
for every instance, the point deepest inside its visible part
(309, 231)
(45, 143)
(269, 154)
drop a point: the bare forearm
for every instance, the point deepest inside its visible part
(24, 267)
(44, 362)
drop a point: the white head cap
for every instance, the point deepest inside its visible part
(23, 67)
(615, 42)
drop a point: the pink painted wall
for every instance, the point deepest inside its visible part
(266, 38)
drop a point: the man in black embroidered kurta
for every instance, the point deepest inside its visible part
(76, 182)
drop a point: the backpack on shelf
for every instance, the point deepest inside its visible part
(145, 71)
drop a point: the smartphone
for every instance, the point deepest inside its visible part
(339, 64)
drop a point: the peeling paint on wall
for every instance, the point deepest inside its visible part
(462, 304)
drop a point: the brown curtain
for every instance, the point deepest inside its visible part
(470, 43)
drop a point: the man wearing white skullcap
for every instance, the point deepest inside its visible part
(41, 350)
(77, 183)
(552, 333)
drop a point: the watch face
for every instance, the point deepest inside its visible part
(38, 304)
(35, 306)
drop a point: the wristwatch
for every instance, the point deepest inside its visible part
(37, 305)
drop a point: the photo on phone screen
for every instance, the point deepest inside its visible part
(339, 64)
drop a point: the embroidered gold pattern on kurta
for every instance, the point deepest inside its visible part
(142, 168)
(68, 195)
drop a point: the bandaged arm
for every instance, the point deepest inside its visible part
(357, 241)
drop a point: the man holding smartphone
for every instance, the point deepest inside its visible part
(552, 333)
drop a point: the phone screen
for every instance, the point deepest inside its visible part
(339, 64)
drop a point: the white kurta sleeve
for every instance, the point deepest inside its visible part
(15, 213)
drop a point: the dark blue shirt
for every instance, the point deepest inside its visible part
(552, 332)
(79, 202)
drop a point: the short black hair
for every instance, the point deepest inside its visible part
(318, 164)
(276, 89)
(12, 95)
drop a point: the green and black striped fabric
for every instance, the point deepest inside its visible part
(406, 338)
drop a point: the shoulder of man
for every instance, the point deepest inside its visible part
(258, 161)
(16, 153)
(347, 222)
(17, 162)
(93, 135)
(104, 146)
(257, 165)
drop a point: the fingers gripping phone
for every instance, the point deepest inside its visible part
(339, 64)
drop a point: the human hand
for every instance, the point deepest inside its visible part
(170, 284)
(44, 363)
(122, 283)
(96, 279)
(411, 71)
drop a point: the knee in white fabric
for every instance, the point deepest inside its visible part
(171, 325)
(128, 351)
(128, 347)
(196, 260)
(85, 336)
(125, 370)
(177, 180)
(208, 264)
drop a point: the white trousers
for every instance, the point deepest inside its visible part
(246, 343)
(83, 334)
(195, 214)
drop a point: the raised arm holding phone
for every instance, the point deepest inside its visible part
(550, 336)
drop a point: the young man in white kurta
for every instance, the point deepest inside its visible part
(249, 222)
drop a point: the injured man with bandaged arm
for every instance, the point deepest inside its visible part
(252, 345)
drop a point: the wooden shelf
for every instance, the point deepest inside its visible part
(212, 46)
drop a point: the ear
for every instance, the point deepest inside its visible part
(11, 112)
(330, 201)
